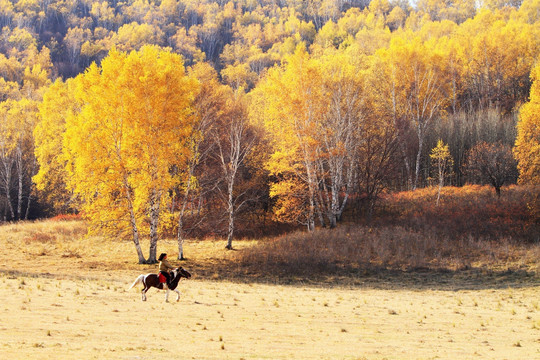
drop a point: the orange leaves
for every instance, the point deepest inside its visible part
(292, 200)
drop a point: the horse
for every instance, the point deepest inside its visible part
(152, 280)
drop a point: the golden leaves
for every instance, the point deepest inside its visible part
(130, 131)
(527, 147)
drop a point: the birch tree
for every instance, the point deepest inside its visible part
(209, 105)
(419, 93)
(17, 163)
(314, 111)
(58, 104)
(127, 136)
(441, 158)
(292, 99)
(342, 125)
(6, 159)
(233, 145)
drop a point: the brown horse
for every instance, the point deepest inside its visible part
(152, 280)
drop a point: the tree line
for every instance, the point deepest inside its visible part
(185, 117)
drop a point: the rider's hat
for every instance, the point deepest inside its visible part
(162, 256)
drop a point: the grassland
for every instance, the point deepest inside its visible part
(64, 296)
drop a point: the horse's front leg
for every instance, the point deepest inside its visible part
(177, 295)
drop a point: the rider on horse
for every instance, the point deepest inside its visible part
(164, 267)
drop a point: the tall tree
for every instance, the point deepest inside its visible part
(527, 148)
(293, 101)
(376, 152)
(58, 104)
(343, 126)
(419, 93)
(209, 105)
(16, 154)
(7, 146)
(234, 140)
(315, 111)
(25, 117)
(130, 132)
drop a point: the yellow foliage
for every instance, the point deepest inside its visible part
(58, 103)
(527, 147)
(133, 36)
(441, 158)
(238, 76)
(130, 131)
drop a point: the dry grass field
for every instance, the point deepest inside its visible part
(64, 296)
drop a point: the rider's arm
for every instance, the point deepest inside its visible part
(168, 265)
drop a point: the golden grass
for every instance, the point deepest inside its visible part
(85, 319)
(354, 251)
(64, 296)
(64, 249)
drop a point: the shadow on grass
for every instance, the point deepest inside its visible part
(390, 257)
(374, 278)
(338, 277)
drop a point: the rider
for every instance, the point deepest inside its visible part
(164, 267)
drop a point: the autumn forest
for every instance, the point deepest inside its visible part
(187, 118)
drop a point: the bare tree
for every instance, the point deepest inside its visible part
(209, 105)
(493, 164)
(375, 159)
(232, 146)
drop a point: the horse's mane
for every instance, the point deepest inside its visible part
(178, 274)
(176, 278)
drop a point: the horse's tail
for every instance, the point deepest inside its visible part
(139, 280)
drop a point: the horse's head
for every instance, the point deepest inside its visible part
(183, 273)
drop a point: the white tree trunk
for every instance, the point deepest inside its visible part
(155, 202)
(133, 222)
(19, 166)
(6, 183)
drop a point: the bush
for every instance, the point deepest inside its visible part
(471, 227)
(350, 250)
(470, 211)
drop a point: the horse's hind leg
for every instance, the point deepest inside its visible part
(144, 294)
(167, 295)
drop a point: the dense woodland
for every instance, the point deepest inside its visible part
(187, 117)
